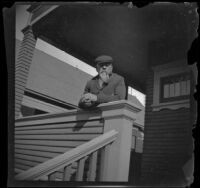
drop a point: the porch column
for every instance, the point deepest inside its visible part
(119, 116)
(22, 66)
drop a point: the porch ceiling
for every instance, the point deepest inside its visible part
(86, 31)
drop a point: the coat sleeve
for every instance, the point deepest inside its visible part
(119, 93)
(87, 88)
(85, 105)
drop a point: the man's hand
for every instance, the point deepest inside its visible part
(88, 97)
(88, 100)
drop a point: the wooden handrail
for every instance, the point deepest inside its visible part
(68, 157)
(39, 138)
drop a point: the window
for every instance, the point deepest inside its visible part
(172, 86)
(176, 87)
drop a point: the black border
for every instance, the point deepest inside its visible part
(9, 43)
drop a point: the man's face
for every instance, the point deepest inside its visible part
(105, 67)
(104, 70)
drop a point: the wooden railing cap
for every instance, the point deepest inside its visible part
(120, 104)
(114, 108)
(120, 109)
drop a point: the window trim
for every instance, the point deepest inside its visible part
(174, 98)
(166, 70)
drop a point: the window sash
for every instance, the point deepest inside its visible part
(176, 87)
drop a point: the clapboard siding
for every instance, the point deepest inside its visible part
(57, 125)
(66, 137)
(21, 73)
(55, 143)
(31, 158)
(22, 167)
(37, 153)
(167, 137)
(60, 131)
(26, 162)
(45, 139)
(18, 171)
(56, 149)
(56, 119)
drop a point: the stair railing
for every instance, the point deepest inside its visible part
(114, 166)
(79, 155)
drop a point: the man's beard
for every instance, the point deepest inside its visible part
(104, 76)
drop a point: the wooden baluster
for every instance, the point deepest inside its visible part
(67, 173)
(52, 176)
(92, 167)
(80, 169)
(104, 157)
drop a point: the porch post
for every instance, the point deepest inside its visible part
(121, 117)
(22, 66)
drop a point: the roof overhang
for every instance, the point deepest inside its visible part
(137, 38)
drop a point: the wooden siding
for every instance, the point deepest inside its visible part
(22, 65)
(50, 76)
(167, 142)
(38, 143)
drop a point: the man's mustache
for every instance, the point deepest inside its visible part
(104, 71)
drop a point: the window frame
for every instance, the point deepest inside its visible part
(174, 98)
(167, 70)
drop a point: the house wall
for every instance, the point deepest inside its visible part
(52, 77)
(56, 79)
(167, 142)
(36, 144)
(59, 80)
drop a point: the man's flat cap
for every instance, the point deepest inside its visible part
(103, 59)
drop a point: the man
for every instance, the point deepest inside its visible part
(105, 87)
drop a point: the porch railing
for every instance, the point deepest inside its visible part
(78, 154)
(43, 137)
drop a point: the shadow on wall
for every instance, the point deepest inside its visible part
(80, 116)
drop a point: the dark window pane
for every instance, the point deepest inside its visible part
(175, 87)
